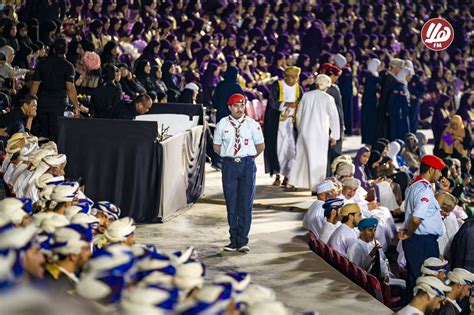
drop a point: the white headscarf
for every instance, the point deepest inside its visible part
(402, 76)
(192, 86)
(65, 192)
(119, 230)
(84, 219)
(28, 150)
(461, 276)
(50, 146)
(373, 65)
(18, 238)
(255, 294)
(189, 276)
(432, 266)
(12, 210)
(47, 179)
(145, 300)
(408, 64)
(323, 82)
(53, 222)
(393, 149)
(16, 142)
(68, 242)
(431, 286)
(340, 60)
(345, 168)
(37, 156)
(351, 182)
(268, 307)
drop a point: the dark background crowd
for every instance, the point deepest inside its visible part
(118, 58)
(122, 49)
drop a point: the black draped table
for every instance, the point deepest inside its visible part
(123, 162)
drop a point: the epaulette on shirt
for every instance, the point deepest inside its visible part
(426, 184)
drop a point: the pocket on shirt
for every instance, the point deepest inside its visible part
(228, 135)
(246, 137)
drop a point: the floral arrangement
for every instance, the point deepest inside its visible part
(91, 61)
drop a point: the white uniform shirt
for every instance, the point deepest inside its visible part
(358, 253)
(386, 229)
(250, 135)
(18, 170)
(410, 310)
(21, 184)
(420, 202)
(328, 229)
(342, 239)
(5, 164)
(8, 173)
(451, 228)
(314, 218)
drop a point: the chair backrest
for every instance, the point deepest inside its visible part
(313, 245)
(337, 260)
(387, 295)
(374, 288)
(352, 274)
(330, 255)
(345, 266)
(362, 278)
(322, 248)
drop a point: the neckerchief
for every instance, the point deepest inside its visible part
(237, 125)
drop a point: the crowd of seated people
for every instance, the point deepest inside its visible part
(361, 221)
(63, 245)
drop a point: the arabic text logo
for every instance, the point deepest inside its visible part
(437, 34)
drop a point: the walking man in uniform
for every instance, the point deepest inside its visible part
(238, 139)
(423, 222)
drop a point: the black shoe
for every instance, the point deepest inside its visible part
(244, 249)
(230, 248)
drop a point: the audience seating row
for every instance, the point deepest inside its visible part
(359, 276)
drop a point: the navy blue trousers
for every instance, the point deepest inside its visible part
(417, 249)
(238, 181)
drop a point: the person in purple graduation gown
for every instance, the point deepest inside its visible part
(345, 86)
(465, 109)
(209, 80)
(369, 101)
(441, 118)
(278, 66)
(360, 161)
(312, 43)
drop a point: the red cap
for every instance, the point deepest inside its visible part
(236, 98)
(330, 69)
(433, 161)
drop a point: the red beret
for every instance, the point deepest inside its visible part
(236, 98)
(330, 69)
(433, 161)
